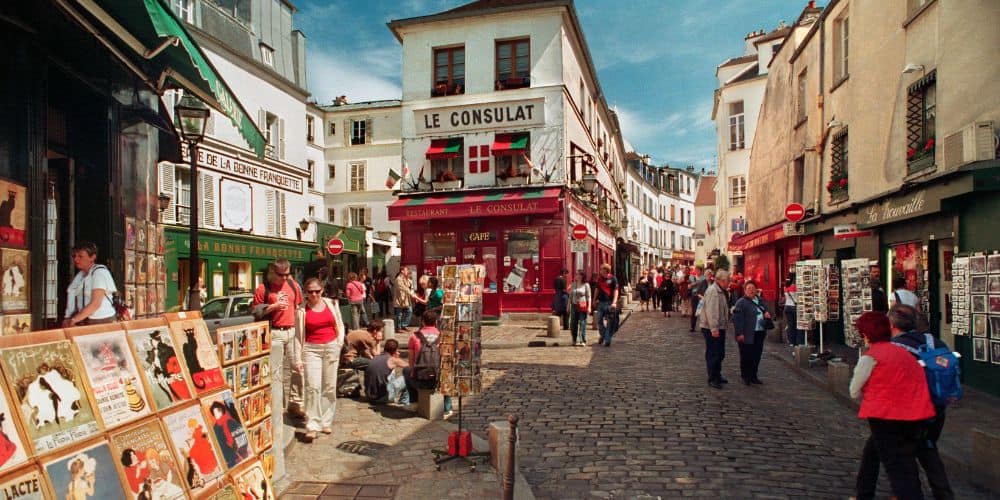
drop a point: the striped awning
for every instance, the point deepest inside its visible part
(509, 144)
(477, 204)
(443, 149)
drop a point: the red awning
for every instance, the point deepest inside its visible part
(757, 238)
(443, 149)
(509, 144)
(487, 204)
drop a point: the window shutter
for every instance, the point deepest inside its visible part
(269, 207)
(262, 121)
(168, 186)
(347, 217)
(369, 134)
(282, 218)
(210, 124)
(347, 132)
(281, 138)
(368, 217)
(208, 206)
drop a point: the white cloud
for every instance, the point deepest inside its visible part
(371, 76)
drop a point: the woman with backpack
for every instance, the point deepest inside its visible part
(89, 295)
(423, 367)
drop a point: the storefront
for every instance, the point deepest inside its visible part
(352, 258)
(769, 255)
(521, 236)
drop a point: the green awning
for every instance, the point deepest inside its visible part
(151, 30)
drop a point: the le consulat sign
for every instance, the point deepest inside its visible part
(479, 116)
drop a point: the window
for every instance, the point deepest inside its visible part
(449, 71)
(801, 102)
(359, 216)
(673, 215)
(266, 55)
(358, 176)
(273, 128)
(921, 111)
(312, 211)
(513, 63)
(798, 179)
(332, 130)
(275, 208)
(479, 159)
(331, 171)
(837, 187)
(184, 9)
(737, 191)
(841, 30)
(182, 199)
(737, 135)
(240, 9)
(673, 239)
(360, 131)
(331, 215)
(310, 129)
(448, 169)
(311, 165)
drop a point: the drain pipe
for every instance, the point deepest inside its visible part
(821, 147)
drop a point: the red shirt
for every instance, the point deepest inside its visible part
(897, 387)
(321, 327)
(269, 294)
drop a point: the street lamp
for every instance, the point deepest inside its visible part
(164, 200)
(301, 230)
(192, 115)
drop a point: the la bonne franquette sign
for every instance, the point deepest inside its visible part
(480, 116)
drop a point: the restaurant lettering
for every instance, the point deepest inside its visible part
(244, 169)
(506, 208)
(246, 250)
(480, 116)
(895, 209)
(480, 236)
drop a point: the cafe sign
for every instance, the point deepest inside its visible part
(479, 237)
(491, 115)
(897, 209)
(244, 169)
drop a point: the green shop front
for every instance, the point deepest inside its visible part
(352, 258)
(230, 263)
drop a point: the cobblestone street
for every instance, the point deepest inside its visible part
(638, 419)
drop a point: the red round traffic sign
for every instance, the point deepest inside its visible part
(795, 212)
(579, 232)
(335, 246)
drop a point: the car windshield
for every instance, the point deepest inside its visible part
(240, 307)
(214, 309)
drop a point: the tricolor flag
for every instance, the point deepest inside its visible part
(390, 182)
(406, 169)
(708, 227)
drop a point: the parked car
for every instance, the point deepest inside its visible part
(227, 311)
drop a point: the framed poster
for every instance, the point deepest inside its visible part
(151, 235)
(199, 461)
(267, 462)
(199, 353)
(227, 492)
(12, 444)
(978, 349)
(14, 324)
(45, 382)
(261, 436)
(86, 473)
(146, 463)
(25, 484)
(140, 236)
(159, 361)
(14, 279)
(230, 435)
(13, 214)
(237, 205)
(995, 352)
(251, 482)
(140, 268)
(118, 389)
(130, 233)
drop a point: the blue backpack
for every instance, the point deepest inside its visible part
(941, 367)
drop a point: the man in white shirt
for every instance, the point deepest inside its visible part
(88, 300)
(902, 295)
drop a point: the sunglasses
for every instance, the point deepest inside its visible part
(284, 275)
(314, 291)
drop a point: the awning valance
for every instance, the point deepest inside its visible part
(527, 201)
(757, 238)
(509, 144)
(443, 149)
(159, 40)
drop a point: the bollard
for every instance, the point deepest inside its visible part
(554, 326)
(838, 377)
(388, 329)
(508, 474)
(801, 354)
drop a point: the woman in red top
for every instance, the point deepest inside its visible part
(320, 331)
(896, 403)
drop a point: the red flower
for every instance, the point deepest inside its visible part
(930, 145)
(910, 153)
(843, 182)
(829, 186)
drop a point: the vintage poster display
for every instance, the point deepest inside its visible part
(242, 342)
(46, 384)
(261, 436)
(160, 362)
(960, 296)
(254, 406)
(230, 435)
(13, 214)
(199, 353)
(460, 325)
(88, 472)
(130, 234)
(146, 462)
(252, 482)
(13, 451)
(14, 280)
(115, 382)
(227, 492)
(15, 324)
(25, 484)
(199, 461)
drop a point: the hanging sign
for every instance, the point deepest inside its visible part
(849, 231)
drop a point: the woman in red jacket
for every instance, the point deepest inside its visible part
(896, 402)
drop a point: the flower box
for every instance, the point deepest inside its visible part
(925, 161)
(439, 185)
(519, 180)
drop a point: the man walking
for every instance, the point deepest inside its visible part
(402, 301)
(276, 301)
(712, 320)
(606, 304)
(698, 293)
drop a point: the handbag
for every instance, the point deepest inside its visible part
(768, 322)
(583, 306)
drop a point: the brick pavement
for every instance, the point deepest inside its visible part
(638, 419)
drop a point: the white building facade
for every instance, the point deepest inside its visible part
(678, 189)
(704, 220)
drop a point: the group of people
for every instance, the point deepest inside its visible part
(574, 302)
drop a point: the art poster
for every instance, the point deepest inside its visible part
(151, 235)
(130, 267)
(253, 483)
(993, 264)
(13, 214)
(267, 462)
(227, 492)
(147, 464)
(194, 451)
(46, 383)
(979, 349)
(23, 485)
(130, 234)
(261, 435)
(227, 344)
(15, 324)
(199, 354)
(12, 450)
(14, 279)
(140, 236)
(85, 474)
(161, 365)
(115, 382)
(230, 435)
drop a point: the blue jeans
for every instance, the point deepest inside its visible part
(403, 317)
(606, 322)
(578, 326)
(795, 336)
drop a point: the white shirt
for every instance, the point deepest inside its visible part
(78, 293)
(906, 297)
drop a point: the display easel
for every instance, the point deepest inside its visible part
(472, 459)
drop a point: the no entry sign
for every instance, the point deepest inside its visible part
(335, 246)
(579, 232)
(795, 212)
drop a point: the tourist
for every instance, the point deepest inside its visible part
(712, 320)
(362, 346)
(902, 295)
(606, 305)
(560, 298)
(697, 291)
(88, 300)
(666, 294)
(320, 330)
(403, 298)
(644, 292)
(355, 291)
(383, 294)
(430, 332)
(276, 301)
(579, 299)
(435, 295)
(795, 336)
(385, 377)
(880, 302)
(748, 325)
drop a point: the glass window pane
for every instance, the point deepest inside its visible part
(522, 49)
(503, 51)
(441, 58)
(459, 56)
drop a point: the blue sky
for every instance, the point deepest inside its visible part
(656, 59)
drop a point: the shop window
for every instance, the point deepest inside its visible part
(449, 71)
(921, 113)
(239, 276)
(522, 250)
(513, 61)
(737, 133)
(439, 249)
(479, 159)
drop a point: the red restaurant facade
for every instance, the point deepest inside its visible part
(768, 257)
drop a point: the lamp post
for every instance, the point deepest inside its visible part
(191, 115)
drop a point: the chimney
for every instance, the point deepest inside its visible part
(340, 100)
(690, 168)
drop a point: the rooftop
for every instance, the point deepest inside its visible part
(388, 103)
(706, 191)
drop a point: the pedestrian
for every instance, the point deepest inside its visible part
(435, 295)
(903, 321)
(653, 280)
(794, 334)
(666, 294)
(644, 292)
(748, 325)
(383, 293)
(712, 320)
(607, 305)
(320, 331)
(430, 333)
(683, 295)
(422, 290)
(560, 299)
(369, 294)
(698, 293)
(896, 402)
(579, 298)
(276, 301)
(902, 295)
(355, 291)
(403, 299)
(880, 302)
(88, 297)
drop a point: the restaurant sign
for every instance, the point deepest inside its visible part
(244, 169)
(479, 116)
(897, 209)
(479, 237)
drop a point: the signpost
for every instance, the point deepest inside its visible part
(335, 246)
(795, 212)
(579, 232)
(578, 246)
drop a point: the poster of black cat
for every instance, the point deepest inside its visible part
(13, 214)
(200, 354)
(117, 386)
(46, 385)
(14, 279)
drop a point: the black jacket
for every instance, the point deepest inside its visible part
(745, 319)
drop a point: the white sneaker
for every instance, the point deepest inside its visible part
(447, 415)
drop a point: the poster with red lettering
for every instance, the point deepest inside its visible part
(200, 354)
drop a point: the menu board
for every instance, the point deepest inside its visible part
(857, 291)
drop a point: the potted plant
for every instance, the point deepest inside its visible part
(511, 176)
(447, 179)
(922, 156)
(837, 187)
